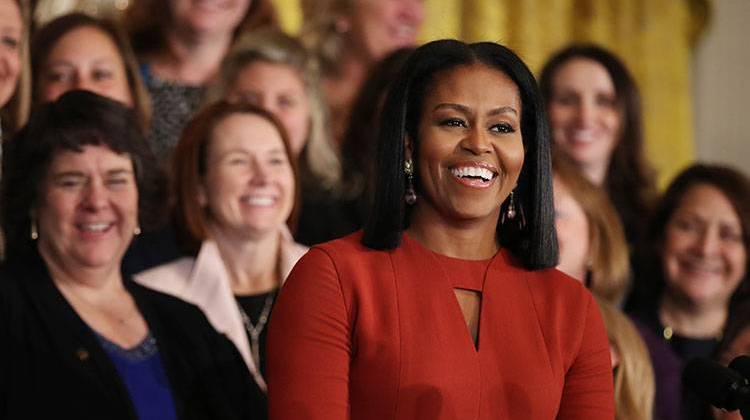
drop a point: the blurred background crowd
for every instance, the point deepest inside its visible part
(652, 205)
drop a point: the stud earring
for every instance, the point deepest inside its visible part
(34, 232)
(137, 231)
(409, 196)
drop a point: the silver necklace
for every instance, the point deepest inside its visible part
(254, 331)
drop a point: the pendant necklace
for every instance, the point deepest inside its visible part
(254, 331)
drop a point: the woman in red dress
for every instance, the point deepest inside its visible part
(447, 305)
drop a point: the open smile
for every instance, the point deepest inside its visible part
(476, 175)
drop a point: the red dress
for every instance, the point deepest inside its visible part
(363, 334)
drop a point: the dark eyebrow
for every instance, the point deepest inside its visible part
(466, 110)
(116, 172)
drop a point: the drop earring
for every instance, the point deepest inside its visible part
(409, 196)
(513, 213)
(34, 232)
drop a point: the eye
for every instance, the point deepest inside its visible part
(69, 182)
(287, 102)
(11, 42)
(503, 128)
(277, 161)
(727, 233)
(453, 122)
(101, 74)
(566, 99)
(607, 101)
(117, 182)
(238, 161)
(58, 76)
(688, 225)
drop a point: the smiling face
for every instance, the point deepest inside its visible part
(208, 16)
(381, 26)
(584, 114)
(11, 31)
(704, 255)
(470, 145)
(249, 182)
(279, 89)
(572, 228)
(88, 208)
(84, 58)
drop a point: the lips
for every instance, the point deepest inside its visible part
(478, 175)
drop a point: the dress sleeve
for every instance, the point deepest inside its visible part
(309, 344)
(588, 392)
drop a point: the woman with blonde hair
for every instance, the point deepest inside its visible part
(593, 250)
(599, 258)
(349, 36)
(631, 364)
(15, 85)
(273, 70)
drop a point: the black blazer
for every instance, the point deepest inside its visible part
(52, 366)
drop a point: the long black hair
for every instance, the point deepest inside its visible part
(536, 244)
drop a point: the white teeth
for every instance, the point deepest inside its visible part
(94, 227)
(473, 171)
(584, 136)
(259, 201)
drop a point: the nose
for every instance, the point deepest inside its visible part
(707, 243)
(477, 142)
(83, 83)
(95, 196)
(586, 113)
(259, 174)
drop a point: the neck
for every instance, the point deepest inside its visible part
(191, 58)
(596, 173)
(470, 240)
(694, 321)
(92, 284)
(252, 264)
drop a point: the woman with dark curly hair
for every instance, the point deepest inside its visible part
(79, 339)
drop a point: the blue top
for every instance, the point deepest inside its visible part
(142, 372)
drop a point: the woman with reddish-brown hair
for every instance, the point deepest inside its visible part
(235, 183)
(180, 45)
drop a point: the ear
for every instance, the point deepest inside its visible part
(407, 148)
(202, 197)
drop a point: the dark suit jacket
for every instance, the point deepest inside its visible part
(52, 366)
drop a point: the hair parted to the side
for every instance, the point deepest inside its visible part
(630, 179)
(649, 280)
(76, 119)
(47, 36)
(319, 157)
(609, 274)
(535, 245)
(189, 166)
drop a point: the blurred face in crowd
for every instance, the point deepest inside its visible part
(279, 89)
(470, 144)
(584, 114)
(572, 232)
(84, 58)
(249, 181)
(11, 31)
(704, 256)
(88, 208)
(208, 16)
(379, 27)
